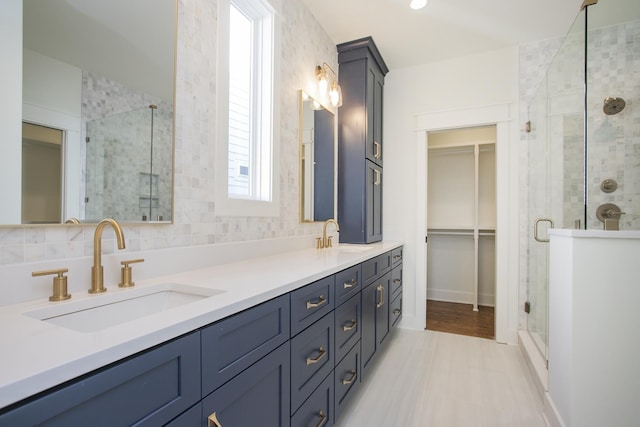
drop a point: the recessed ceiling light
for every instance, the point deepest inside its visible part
(417, 4)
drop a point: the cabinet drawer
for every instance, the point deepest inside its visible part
(347, 323)
(188, 418)
(369, 271)
(395, 313)
(259, 396)
(396, 255)
(310, 303)
(150, 389)
(384, 263)
(233, 344)
(396, 280)
(347, 379)
(312, 359)
(318, 409)
(348, 283)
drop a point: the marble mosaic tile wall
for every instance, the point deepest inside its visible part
(304, 45)
(551, 95)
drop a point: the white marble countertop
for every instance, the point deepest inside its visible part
(37, 355)
(598, 234)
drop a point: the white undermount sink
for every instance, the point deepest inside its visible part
(346, 247)
(109, 309)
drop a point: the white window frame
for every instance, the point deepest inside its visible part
(267, 185)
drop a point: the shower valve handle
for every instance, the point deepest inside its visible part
(611, 213)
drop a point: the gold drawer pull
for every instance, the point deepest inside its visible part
(377, 146)
(380, 290)
(350, 284)
(397, 256)
(349, 326)
(321, 300)
(212, 421)
(312, 360)
(397, 281)
(397, 311)
(350, 380)
(323, 418)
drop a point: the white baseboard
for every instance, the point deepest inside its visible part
(460, 297)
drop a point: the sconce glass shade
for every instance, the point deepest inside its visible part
(335, 95)
(417, 4)
(328, 85)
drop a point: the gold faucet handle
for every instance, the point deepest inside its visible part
(329, 243)
(319, 243)
(126, 272)
(59, 283)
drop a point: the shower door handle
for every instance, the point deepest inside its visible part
(535, 229)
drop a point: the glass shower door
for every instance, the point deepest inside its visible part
(555, 150)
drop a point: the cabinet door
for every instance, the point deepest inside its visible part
(383, 286)
(259, 396)
(373, 214)
(368, 326)
(374, 88)
(150, 389)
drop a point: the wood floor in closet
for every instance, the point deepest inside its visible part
(460, 319)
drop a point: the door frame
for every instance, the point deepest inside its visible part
(507, 254)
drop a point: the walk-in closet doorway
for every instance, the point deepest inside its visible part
(476, 236)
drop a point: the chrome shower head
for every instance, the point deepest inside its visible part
(613, 105)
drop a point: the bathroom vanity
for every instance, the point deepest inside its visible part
(277, 345)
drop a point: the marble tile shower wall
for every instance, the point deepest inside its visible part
(614, 146)
(304, 45)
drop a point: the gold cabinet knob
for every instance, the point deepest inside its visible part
(126, 272)
(59, 283)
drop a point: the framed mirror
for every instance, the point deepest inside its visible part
(97, 110)
(317, 160)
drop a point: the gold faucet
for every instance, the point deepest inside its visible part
(326, 242)
(97, 273)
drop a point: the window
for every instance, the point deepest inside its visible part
(250, 100)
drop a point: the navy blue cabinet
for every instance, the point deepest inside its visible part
(294, 360)
(235, 343)
(312, 359)
(360, 146)
(347, 379)
(259, 396)
(148, 389)
(318, 409)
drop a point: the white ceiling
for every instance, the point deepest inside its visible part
(448, 28)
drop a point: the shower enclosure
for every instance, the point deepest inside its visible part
(129, 167)
(582, 140)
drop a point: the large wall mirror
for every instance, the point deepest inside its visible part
(317, 160)
(97, 110)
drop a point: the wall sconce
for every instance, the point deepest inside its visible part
(328, 84)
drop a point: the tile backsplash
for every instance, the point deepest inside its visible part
(304, 45)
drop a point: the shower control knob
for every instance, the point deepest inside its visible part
(609, 186)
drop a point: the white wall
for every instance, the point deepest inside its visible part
(10, 116)
(51, 97)
(462, 83)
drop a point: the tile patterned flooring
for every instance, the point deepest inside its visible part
(436, 379)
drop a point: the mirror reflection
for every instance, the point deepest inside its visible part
(98, 90)
(317, 160)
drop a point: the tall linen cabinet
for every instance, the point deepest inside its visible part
(360, 145)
